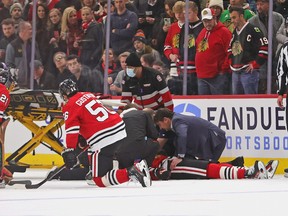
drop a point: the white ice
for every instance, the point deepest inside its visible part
(169, 198)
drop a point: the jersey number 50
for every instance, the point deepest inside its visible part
(101, 112)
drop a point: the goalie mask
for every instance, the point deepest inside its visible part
(68, 87)
(5, 77)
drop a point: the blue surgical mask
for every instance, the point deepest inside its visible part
(130, 72)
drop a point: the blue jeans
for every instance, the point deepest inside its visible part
(212, 86)
(245, 83)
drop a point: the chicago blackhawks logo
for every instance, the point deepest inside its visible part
(175, 41)
(203, 45)
(236, 48)
(191, 41)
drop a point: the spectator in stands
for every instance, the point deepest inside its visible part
(282, 34)
(194, 27)
(144, 86)
(54, 31)
(130, 6)
(149, 12)
(43, 80)
(54, 28)
(102, 16)
(252, 5)
(91, 44)
(116, 86)
(42, 33)
(71, 32)
(82, 75)
(282, 7)
(63, 4)
(18, 54)
(16, 12)
(95, 7)
(225, 16)
(61, 71)
(162, 68)
(8, 30)
(171, 46)
(113, 69)
(247, 51)
(261, 21)
(217, 6)
(123, 27)
(142, 47)
(211, 55)
(28, 9)
(5, 9)
(161, 27)
(147, 60)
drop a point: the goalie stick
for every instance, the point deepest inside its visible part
(53, 172)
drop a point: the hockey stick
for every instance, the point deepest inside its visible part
(53, 172)
(25, 182)
(2, 137)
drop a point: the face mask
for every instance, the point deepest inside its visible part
(130, 72)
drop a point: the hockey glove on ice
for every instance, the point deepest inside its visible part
(69, 158)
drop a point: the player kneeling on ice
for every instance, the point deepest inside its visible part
(186, 166)
(104, 131)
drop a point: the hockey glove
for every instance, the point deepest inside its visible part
(69, 158)
(6, 175)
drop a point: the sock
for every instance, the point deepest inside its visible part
(113, 177)
(224, 171)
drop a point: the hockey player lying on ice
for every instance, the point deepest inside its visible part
(185, 166)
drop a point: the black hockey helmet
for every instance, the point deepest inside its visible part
(5, 76)
(68, 87)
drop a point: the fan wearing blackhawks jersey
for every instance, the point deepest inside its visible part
(144, 86)
(248, 50)
(103, 130)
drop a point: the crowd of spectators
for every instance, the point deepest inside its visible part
(70, 42)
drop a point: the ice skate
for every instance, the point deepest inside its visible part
(139, 172)
(89, 178)
(271, 168)
(258, 171)
(2, 184)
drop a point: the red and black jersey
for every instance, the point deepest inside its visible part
(247, 46)
(193, 31)
(149, 91)
(85, 115)
(171, 45)
(4, 100)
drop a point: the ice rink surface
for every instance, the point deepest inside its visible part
(169, 198)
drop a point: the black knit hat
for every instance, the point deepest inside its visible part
(133, 60)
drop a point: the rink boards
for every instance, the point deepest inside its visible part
(254, 125)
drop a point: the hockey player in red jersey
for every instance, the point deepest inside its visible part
(103, 130)
(188, 168)
(6, 82)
